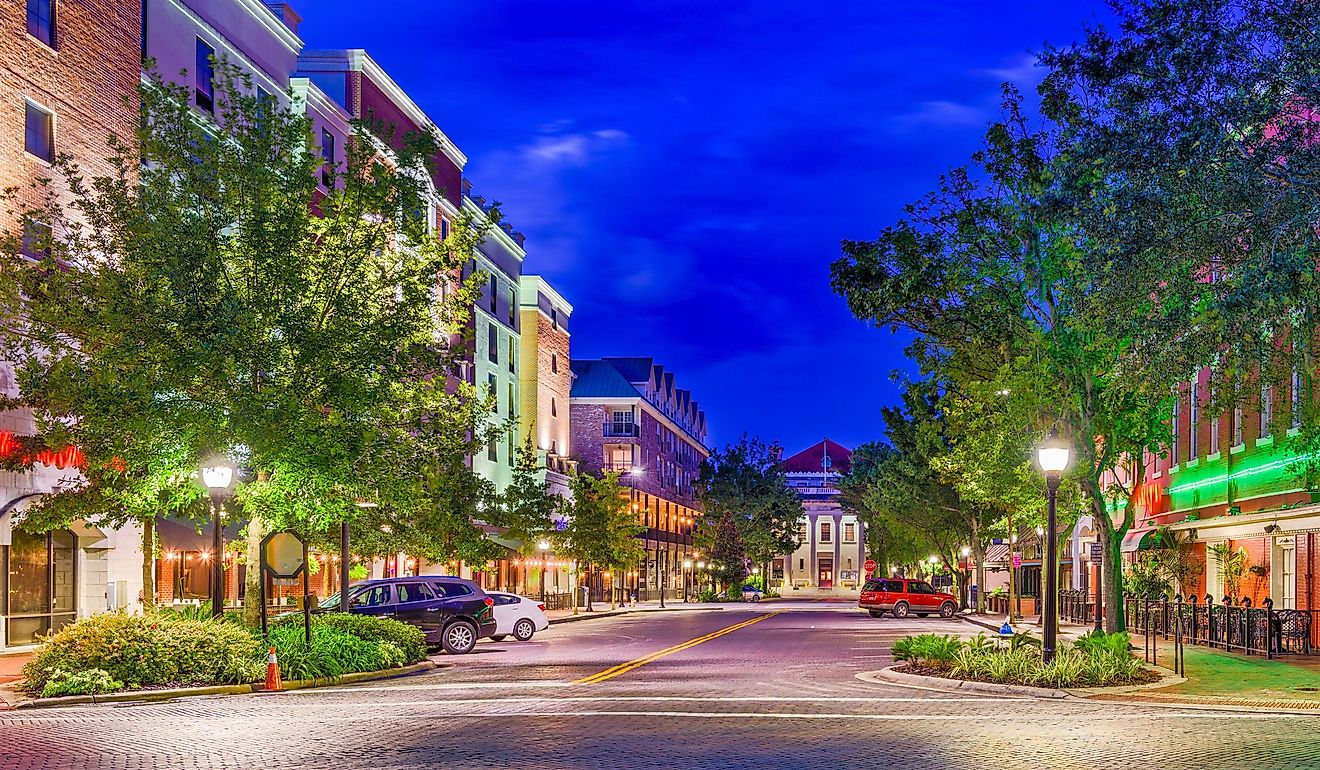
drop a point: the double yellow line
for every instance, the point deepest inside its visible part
(624, 668)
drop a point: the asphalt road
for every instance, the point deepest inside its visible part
(765, 687)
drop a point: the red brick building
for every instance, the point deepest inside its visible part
(628, 416)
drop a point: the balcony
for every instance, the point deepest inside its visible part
(620, 430)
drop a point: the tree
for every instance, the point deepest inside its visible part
(748, 511)
(219, 302)
(601, 530)
(527, 508)
(991, 271)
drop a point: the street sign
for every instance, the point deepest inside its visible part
(1017, 560)
(1097, 551)
(869, 566)
(284, 554)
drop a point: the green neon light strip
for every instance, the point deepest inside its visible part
(1221, 478)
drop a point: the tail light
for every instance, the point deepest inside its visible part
(489, 601)
(540, 607)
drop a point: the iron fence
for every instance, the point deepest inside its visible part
(1076, 607)
(1226, 626)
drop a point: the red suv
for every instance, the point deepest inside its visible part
(902, 596)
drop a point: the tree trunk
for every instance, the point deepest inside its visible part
(978, 554)
(148, 563)
(252, 580)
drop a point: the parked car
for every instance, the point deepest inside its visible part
(517, 616)
(751, 594)
(452, 612)
(902, 596)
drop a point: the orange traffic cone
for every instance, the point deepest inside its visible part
(273, 682)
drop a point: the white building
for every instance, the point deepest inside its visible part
(833, 543)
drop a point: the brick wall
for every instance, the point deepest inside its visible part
(89, 81)
(586, 423)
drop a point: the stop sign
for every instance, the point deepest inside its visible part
(869, 566)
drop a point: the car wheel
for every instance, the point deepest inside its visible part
(755, 598)
(876, 613)
(523, 630)
(901, 610)
(947, 609)
(498, 637)
(459, 638)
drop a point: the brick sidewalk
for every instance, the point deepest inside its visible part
(11, 664)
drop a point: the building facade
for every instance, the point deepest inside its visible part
(832, 546)
(69, 73)
(546, 379)
(1231, 479)
(627, 416)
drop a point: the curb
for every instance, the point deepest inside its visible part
(140, 696)
(889, 676)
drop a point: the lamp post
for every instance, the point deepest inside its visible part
(933, 560)
(1099, 583)
(966, 565)
(544, 548)
(1053, 457)
(687, 567)
(217, 475)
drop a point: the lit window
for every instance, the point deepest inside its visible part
(39, 132)
(850, 533)
(205, 76)
(824, 532)
(327, 158)
(493, 344)
(41, 20)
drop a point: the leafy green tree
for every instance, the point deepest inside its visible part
(601, 530)
(527, 508)
(748, 511)
(219, 302)
(991, 270)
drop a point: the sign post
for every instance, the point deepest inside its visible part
(284, 555)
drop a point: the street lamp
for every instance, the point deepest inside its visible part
(1053, 458)
(544, 548)
(687, 567)
(933, 560)
(217, 475)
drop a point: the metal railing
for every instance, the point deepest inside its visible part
(1226, 626)
(562, 601)
(1077, 607)
(620, 430)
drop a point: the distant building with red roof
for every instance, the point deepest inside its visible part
(833, 544)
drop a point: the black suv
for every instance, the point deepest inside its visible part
(453, 613)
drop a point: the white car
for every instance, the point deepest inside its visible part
(517, 616)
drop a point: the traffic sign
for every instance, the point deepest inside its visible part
(1017, 560)
(869, 566)
(284, 554)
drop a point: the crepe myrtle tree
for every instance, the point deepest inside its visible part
(206, 296)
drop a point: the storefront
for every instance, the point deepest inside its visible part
(38, 584)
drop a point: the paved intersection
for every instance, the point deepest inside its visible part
(651, 690)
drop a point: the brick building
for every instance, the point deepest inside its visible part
(68, 80)
(628, 416)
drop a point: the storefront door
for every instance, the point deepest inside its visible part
(40, 590)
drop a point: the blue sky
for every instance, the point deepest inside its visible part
(685, 171)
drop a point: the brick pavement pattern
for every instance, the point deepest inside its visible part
(781, 692)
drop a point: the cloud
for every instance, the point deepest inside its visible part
(943, 113)
(1021, 71)
(575, 149)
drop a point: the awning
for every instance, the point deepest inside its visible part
(996, 552)
(1137, 540)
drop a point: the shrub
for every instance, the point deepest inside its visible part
(331, 653)
(1073, 666)
(151, 649)
(91, 682)
(407, 638)
(927, 648)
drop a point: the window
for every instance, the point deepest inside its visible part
(494, 295)
(1194, 415)
(36, 239)
(1214, 435)
(802, 531)
(493, 451)
(444, 228)
(802, 563)
(414, 592)
(492, 344)
(446, 588)
(554, 318)
(511, 409)
(1237, 426)
(41, 20)
(39, 132)
(554, 364)
(513, 309)
(920, 587)
(372, 597)
(204, 77)
(1266, 410)
(850, 533)
(40, 584)
(1173, 447)
(490, 385)
(328, 159)
(513, 358)
(554, 411)
(1297, 399)
(824, 532)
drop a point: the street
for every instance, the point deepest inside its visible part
(766, 686)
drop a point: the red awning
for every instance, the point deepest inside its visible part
(1137, 540)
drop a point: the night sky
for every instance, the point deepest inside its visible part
(684, 171)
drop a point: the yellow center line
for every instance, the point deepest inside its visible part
(624, 668)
